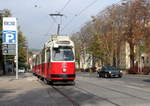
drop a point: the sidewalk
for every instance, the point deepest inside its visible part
(12, 76)
(23, 92)
(7, 77)
(27, 91)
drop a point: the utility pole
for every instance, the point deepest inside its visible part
(27, 57)
(57, 15)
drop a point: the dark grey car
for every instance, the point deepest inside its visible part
(109, 71)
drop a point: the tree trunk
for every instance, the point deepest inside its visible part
(114, 58)
(132, 54)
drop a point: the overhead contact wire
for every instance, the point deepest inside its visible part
(65, 5)
(76, 15)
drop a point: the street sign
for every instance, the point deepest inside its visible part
(9, 24)
(9, 37)
(9, 30)
(9, 49)
(9, 52)
(9, 46)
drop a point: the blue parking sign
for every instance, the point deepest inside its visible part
(9, 37)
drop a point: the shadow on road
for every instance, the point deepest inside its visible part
(37, 98)
(3, 92)
(146, 80)
(41, 96)
(61, 85)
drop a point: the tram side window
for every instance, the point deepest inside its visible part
(36, 62)
(48, 57)
(43, 56)
(39, 59)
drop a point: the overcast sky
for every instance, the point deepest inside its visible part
(36, 24)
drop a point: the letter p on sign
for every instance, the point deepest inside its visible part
(9, 37)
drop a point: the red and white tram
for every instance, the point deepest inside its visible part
(56, 61)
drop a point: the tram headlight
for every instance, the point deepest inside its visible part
(64, 70)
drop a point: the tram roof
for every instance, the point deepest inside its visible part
(61, 39)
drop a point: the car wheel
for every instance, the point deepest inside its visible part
(109, 76)
(106, 75)
(120, 76)
(99, 76)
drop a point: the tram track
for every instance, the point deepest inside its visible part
(73, 102)
(66, 96)
(101, 98)
(114, 90)
(63, 92)
(92, 94)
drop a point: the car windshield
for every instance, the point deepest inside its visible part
(21, 68)
(109, 68)
(62, 54)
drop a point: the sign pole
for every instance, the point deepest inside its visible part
(4, 64)
(17, 55)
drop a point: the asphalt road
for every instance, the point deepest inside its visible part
(129, 90)
(89, 90)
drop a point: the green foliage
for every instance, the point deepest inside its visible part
(22, 49)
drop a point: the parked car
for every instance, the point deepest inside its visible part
(109, 71)
(21, 69)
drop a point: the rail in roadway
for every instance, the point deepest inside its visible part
(44, 84)
(72, 101)
(110, 89)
